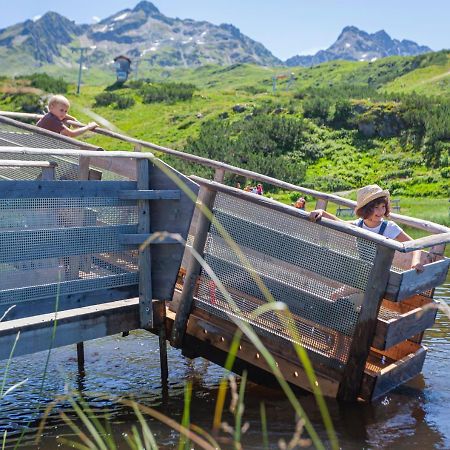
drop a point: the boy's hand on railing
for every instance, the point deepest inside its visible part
(418, 266)
(92, 125)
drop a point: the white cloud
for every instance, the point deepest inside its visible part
(95, 19)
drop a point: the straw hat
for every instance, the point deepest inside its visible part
(368, 193)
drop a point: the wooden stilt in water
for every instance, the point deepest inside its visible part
(159, 317)
(80, 358)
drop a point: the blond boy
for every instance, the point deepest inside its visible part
(58, 105)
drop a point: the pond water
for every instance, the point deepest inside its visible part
(414, 416)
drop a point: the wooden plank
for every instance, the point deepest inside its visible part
(325, 358)
(18, 189)
(412, 319)
(20, 163)
(60, 242)
(171, 216)
(153, 194)
(217, 337)
(366, 325)
(73, 326)
(393, 374)
(427, 241)
(72, 287)
(405, 284)
(145, 256)
(193, 270)
(138, 239)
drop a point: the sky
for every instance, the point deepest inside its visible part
(285, 27)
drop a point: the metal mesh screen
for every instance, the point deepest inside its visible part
(319, 273)
(67, 166)
(72, 243)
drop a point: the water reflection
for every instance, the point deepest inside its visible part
(412, 416)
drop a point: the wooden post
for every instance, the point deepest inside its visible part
(321, 204)
(145, 258)
(80, 358)
(159, 320)
(193, 270)
(349, 387)
(219, 175)
(48, 173)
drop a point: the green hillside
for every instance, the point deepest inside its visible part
(333, 127)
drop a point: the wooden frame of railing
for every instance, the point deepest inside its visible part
(350, 383)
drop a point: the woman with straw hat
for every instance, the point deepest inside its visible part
(372, 208)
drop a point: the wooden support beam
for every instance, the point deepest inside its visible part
(350, 385)
(80, 358)
(207, 197)
(83, 324)
(150, 194)
(138, 239)
(145, 257)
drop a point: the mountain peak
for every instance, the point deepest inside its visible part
(354, 44)
(147, 7)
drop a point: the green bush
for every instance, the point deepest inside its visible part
(106, 99)
(124, 102)
(166, 92)
(28, 103)
(48, 83)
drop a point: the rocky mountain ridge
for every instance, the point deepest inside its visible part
(354, 44)
(142, 32)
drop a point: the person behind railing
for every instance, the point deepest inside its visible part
(300, 203)
(372, 208)
(259, 189)
(55, 119)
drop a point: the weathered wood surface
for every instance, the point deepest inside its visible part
(45, 303)
(169, 216)
(138, 239)
(207, 198)
(392, 373)
(73, 326)
(218, 334)
(405, 284)
(366, 325)
(20, 163)
(412, 319)
(150, 195)
(18, 189)
(145, 254)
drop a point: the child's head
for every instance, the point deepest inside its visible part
(368, 197)
(58, 105)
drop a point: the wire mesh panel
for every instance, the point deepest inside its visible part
(51, 246)
(319, 273)
(66, 168)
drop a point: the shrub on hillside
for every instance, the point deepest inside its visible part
(48, 83)
(28, 103)
(166, 92)
(106, 99)
(124, 102)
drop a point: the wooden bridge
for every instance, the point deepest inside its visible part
(96, 242)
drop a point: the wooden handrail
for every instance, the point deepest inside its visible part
(425, 225)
